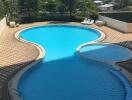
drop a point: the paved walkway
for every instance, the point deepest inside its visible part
(114, 36)
(15, 55)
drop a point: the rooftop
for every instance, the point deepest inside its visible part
(98, 1)
(107, 5)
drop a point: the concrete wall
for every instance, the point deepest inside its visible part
(116, 24)
(2, 25)
(106, 9)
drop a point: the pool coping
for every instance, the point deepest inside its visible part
(128, 91)
(101, 43)
(13, 83)
(125, 83)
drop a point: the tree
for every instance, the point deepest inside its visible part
(87, 8)
(1, 10)
(51, 5)
(70, 5)
(34, 9)
(28, 7)
(122, 3)
(10, 8)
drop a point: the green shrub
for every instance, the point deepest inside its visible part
(2, 14)
(51, 18)
(93, 15)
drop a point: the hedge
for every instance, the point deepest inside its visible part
(122, 16)
(50, 18)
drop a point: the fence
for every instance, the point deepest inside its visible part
(124, 16)
(120, 23)
(2, 25)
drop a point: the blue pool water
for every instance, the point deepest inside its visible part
(63, 75)
(106, 52)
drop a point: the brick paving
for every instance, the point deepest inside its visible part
(15, 55)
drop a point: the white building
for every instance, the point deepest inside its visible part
(106, 7)
(98, 2)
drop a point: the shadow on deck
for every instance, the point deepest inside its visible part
(6, 73)
(126, 64)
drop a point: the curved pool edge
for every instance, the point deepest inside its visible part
(14, 94)
(108, 62)
(101, 43)
(41, 50)
(13, 83)
(126, 84)
(102, 37)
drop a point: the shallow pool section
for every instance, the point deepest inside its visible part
(63, 75)
(106, 52)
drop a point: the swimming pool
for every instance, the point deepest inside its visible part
(63, 75)
(105, 52)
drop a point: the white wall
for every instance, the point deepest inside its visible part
(106, 9)
(119, 25)
(2, 25)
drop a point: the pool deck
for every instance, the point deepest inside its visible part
(15, 55)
